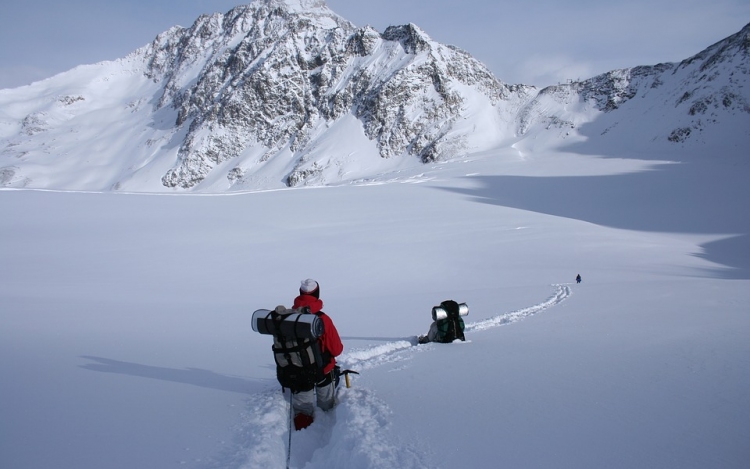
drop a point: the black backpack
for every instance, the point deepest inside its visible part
(450, 324)
(296, 349)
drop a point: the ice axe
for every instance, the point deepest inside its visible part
(346, 374)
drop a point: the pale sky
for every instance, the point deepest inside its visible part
(535, 42)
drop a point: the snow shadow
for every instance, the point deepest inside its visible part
(732, 252)
(671, 198)
(192, 376)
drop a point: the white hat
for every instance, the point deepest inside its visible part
(308, 286)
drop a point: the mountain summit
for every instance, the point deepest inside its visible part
(286, 92)
(266, 80)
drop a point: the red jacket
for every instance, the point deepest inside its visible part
(330, 341)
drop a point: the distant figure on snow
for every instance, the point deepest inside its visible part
(447, 323)
(578, 278)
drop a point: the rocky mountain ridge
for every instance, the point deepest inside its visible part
(241, 100)
(274, 74)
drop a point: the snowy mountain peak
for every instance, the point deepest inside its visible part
(734, 48)
(267, 92)
(302, 6)
(695, 102)
(286, 92)
(411, 37)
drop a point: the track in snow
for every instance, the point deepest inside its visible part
(561, 293)
(399, 350)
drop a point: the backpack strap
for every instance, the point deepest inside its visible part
(459, 330)
(325, 355)
(450, 335)
(277, 318)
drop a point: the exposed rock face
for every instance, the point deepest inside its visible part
(270, 72)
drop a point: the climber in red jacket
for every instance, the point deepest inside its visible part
(330, 346)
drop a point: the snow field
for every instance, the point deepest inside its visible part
(126, 339)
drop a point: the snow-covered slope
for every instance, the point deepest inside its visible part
(259, 98)
(125, 335)
(661, 108)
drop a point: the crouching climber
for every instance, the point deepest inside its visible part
(447, 323)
